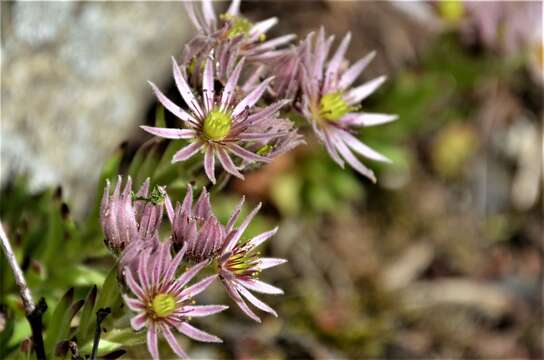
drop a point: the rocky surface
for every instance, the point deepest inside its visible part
(74, 84)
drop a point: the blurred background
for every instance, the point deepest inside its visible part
(441, 259)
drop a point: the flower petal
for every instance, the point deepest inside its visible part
(152, 342)
(233, 293)
(227, 164)
(230, 87)
(361, 148)
(252, 97)
(259, 239)
(234, 8)
(260, 286)
(207, 84)
(353, 162)
(267, 263)
(189, 274)
(185, 90)
(367, 119)
(138, 321)
(168, 133)
(238, 234)
(355, 70)
(187, 152)
(197, 334)
(133, 304)
(209, 164)
(356, 95)
(258, 303)
(209, 14)
(203, 310)
(246, 154)
(334, 65)
(173, 342)
(199, 287)
(170, 106)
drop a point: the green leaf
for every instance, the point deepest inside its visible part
(87, 316)
(56, 324)
(159, 117)
(104, 347)
(109, 294)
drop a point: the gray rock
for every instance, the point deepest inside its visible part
(74, 84)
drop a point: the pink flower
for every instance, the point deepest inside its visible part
(126, 220)
(240, 265)
(332, 105)
(219, 126)
(162, 301)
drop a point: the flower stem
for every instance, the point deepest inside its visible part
(101, 315)
(33, 313)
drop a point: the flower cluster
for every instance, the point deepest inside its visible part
(240, 89)
(239, 92)
(151, 267)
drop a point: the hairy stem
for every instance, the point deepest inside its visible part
(33, 313)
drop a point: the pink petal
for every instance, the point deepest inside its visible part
(246, 154)
(189, 274)
(230, 87)
(152, 342)
(168, 133)
(185, 90)
(173, 266)
(172, 341)
(199, 287)
(260, 286)
(235, 214)
(354, 71)
(197, 334)
(238, 234)
(207, 84)
(336, 61)
(353, 162)
(186, 152)
(203, 310)
(356, 95)
(367, 119)
(169, 208)
(133, 304)
(266, 112)
(259, 239)
(209, 164)
(209, 14)
(252, 97)
(267, 263)
(138, 321)
(132, 284)
(227, 164)
(188, 200)
(270, 44)
(261, 27)
(234, 8)
(361, 148)
(233, 293)
(258, 303)
(170, 106)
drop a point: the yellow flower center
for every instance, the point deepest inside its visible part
(333, 106)
(239, 25)
(163, 305)
(217, 125)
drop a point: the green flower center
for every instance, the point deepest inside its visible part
(163, 305)
(243, 263)
(217, 125)
(333, 106)
(239, 25)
